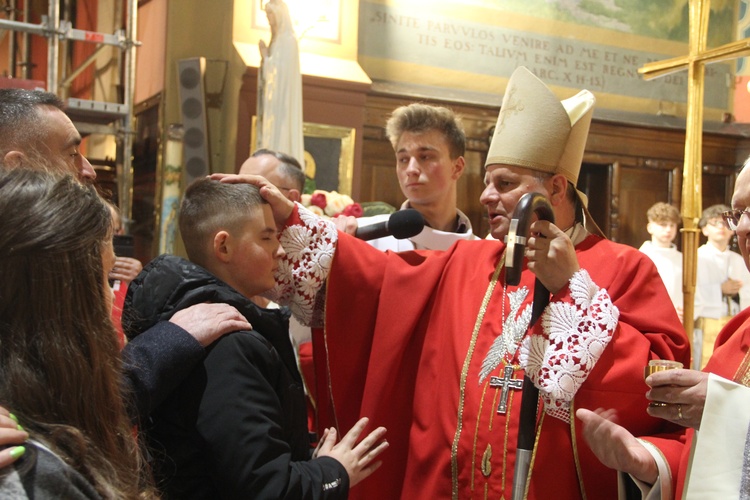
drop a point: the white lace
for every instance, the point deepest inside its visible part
(309, 242)
(574, 337)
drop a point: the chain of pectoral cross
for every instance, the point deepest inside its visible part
(506, 382)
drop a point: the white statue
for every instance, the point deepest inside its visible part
(279, 125)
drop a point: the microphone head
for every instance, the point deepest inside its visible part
(405, 223)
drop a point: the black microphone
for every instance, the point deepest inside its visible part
(401, 224)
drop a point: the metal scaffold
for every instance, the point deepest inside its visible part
(89, 116)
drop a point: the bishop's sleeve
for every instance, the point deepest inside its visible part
(309, 242)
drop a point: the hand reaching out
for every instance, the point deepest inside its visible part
(615, 446)
(357, 459)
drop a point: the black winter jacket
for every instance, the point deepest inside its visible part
(236, 427)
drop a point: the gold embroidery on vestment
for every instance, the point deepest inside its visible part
(742, 376)
(476, 435)
(465, 374)
(486, 466)
(487, 461)
(533, 455)
(328, 360)
(574, 444)
(507, 431)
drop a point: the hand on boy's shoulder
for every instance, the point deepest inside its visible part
(207, 322)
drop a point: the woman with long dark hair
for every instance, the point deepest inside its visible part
(60, 368)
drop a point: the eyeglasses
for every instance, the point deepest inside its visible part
(718, 223)
(732, 217)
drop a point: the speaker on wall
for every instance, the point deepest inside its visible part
(191, 74)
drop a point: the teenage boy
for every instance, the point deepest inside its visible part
(663, 221)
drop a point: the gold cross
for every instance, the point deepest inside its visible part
(695, 63)
(511, 106)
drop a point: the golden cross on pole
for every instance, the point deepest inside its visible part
(695, 63)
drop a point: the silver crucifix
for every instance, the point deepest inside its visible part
(505, 382)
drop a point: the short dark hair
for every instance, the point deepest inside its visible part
(289, 168)
(20, 118)
(209, 206)
(418, 117)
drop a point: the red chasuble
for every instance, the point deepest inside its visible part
(402, 345)
(730, 360)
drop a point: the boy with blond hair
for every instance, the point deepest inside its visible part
(663, 221)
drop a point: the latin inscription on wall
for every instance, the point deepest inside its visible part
(420, 40)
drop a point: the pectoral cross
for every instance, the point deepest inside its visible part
(694, 62)
(506, 382)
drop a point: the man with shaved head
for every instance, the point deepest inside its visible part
(34, 130)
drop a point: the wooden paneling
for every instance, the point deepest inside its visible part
(640, 188)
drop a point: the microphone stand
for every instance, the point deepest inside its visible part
(530, 204)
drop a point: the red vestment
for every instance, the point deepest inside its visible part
(729, 360)
(120, 290)
(400, 346)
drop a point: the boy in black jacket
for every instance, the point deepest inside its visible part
(236, 427)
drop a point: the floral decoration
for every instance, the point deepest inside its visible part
(331, 204)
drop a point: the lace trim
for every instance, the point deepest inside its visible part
(309, 242)
(574, 337)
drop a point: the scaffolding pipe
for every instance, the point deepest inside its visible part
(52, 29)
(12, 50)
(125, 175)
(34, 29)
(53, 46)
(25, 55)
(63, 68)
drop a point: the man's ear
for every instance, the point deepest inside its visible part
(458, 167)
(294, 195)
(222, 246)
(558, 189)
(13, 159)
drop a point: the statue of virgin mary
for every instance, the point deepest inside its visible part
(279, 125)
